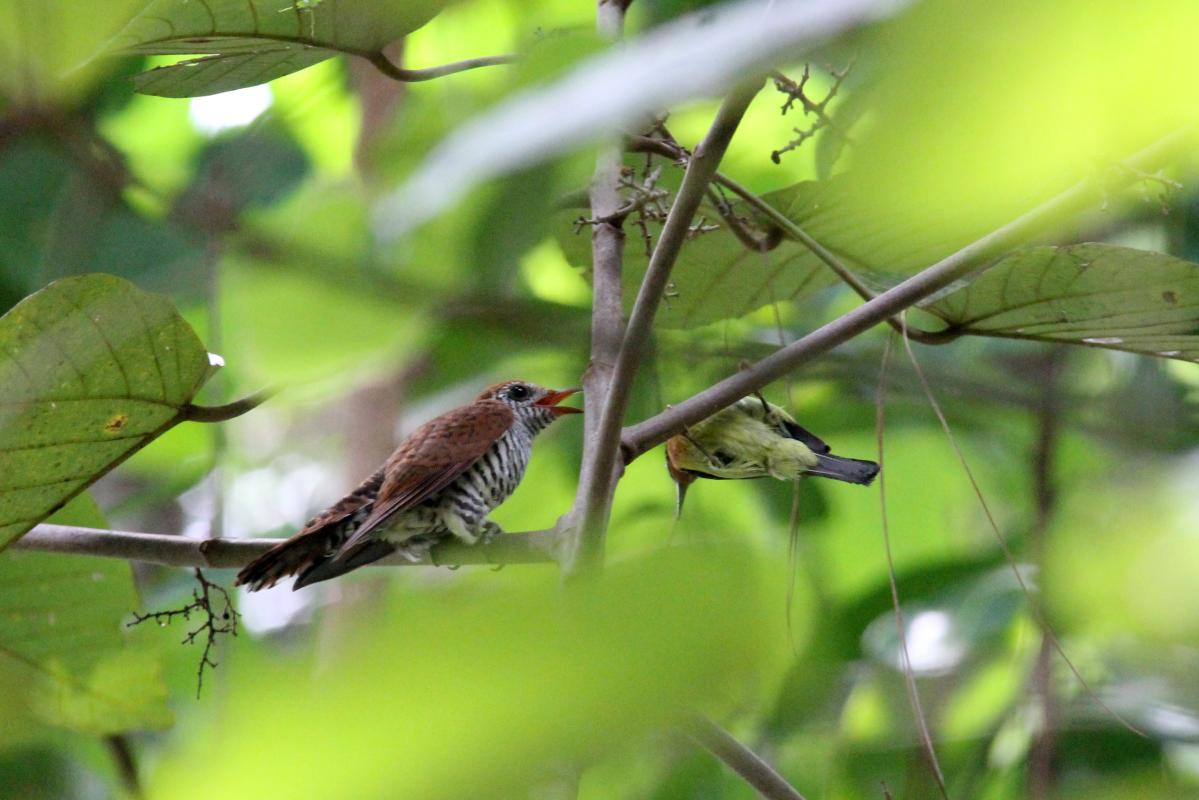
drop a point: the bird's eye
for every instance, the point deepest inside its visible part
(518, 391)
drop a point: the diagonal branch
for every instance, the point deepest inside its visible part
(594, 499)
(970, 259)
(745, 762)
(180, 551)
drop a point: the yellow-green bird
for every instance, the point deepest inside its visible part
(754, 438)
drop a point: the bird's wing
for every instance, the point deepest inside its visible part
(432, 458)
(799, 433)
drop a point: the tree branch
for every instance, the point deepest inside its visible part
(179, 551)
(652, 432)
(192, 413)
(745, 762)
(384, 65)
(594, 499)
(607, 320)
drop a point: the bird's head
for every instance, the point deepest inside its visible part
(531, 402)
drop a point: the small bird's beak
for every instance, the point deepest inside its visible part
(551, 401)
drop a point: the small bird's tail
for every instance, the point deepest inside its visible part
(850, 470)
(286, 558)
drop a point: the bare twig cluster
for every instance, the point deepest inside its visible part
(645, 199)
(796, 92)
(214, 624)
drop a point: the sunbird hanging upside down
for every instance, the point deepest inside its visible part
(755, 439)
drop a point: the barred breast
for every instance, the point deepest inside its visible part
(490, 480)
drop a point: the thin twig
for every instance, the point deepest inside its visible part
(745, 762)
(214, 624)
(905, 658)
(384, 65)
(594, 499)
(1038, 614)
(970, 259)
(224, 413)
(533, 547)
(1041, 751)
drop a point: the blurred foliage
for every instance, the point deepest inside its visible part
(259, 216)
(63, 660)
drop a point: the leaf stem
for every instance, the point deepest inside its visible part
(385, 65)
(226, 412)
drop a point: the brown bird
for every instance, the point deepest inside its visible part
(441, 481)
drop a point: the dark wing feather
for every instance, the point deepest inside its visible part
(432, 458)
(802, 434)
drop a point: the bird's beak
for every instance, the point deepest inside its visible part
(551, 401)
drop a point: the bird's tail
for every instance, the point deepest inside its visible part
(333, 565)
(296, 555)
(850, 470)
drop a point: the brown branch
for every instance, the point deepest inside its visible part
(224, 413)
(745, 762)
(607, 321)
(179, 551)
(1042, 750)
(125, 761)
(598, 481)
(607, 317)
(384, 65)
(970, 259)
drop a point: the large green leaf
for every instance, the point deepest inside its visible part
(1090, 294)
(716, 276)
(63, 659)
(515, 672)
(254, 41)
(91, 369)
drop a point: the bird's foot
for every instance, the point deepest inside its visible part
(488, 532)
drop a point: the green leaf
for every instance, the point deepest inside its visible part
(1089, 294)
(91, 369)
(254, 41)
(716, 276)
(64, 660)
(195, 77)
